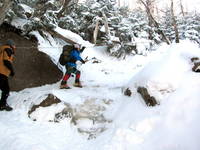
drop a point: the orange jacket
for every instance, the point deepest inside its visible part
(4, 56)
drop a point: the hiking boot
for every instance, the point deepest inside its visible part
(78, 84)
(64, 86)
(6, 107)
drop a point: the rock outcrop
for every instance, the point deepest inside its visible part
(32, 67)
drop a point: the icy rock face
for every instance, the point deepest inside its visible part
(88, 117)
(46, 110)
(32, 67)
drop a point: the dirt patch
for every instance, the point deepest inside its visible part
(32, 67)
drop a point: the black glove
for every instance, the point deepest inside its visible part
(83, 62)
(82, 49)
(12, 73)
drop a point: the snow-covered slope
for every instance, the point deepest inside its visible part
(174, 123)
(130, 124)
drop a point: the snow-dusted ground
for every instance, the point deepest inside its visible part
(172, 125)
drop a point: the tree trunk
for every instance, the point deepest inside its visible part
(4, 9)
(174, 23)
(150, 21)
(182, 9)
(95, 33)
(105, 19)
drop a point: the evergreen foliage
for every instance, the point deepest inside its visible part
(188, 26)
(128, 31)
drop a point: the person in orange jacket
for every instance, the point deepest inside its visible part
(7, 52)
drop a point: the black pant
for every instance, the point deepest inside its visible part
(4, 87)
(70, 70)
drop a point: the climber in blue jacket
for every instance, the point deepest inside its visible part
(71, 67)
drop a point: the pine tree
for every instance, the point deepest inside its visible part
(190, 27)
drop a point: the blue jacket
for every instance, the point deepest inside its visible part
(75, 56)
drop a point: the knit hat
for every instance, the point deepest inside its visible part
(10, 42)
(78, 46)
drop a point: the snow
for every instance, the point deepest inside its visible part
(27, 8)
(19, 22)
(48, 45)
(172, 125)
(70, 35)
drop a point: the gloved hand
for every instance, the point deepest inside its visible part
(82, 49)
(83, 62)
(12, 73)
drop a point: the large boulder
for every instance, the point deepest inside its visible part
(32, 67)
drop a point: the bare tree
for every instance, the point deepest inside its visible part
(150, 11)
(152, 21)
(6, 5)
(105, 21)
(157, 12)
(182, 9)
(95, 33)
(174, 23)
